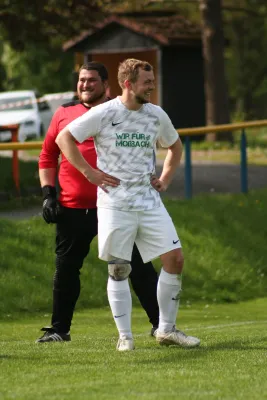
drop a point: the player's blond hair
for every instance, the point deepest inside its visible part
(129, 70)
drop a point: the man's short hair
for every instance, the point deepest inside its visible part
(129, 70)
(95, 66)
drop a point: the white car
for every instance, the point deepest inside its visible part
(25, 108)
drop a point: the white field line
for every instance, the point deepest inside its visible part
(219, 326)
(229, 325)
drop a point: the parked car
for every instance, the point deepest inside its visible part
(27, 109)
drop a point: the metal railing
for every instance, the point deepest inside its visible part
(187, 132)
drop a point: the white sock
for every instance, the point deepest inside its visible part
(168, 291)
(120, 300)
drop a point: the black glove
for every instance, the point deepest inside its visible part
(51, 208)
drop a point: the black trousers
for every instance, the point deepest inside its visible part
(74, 234)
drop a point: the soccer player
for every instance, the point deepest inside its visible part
(75, 212)
(125, 131)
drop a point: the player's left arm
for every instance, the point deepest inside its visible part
(168, 138)
(171, 162)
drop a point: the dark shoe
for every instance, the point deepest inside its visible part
(51, 335)
(153, 331)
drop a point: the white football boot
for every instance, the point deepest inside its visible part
(177, 338)
(125, 344)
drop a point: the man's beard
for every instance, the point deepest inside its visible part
(92, 99)
(140, 100)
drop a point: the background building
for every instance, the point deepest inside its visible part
(168, 41)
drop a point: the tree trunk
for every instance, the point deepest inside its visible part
(217, 102)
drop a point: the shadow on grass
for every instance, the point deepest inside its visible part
(180, 354)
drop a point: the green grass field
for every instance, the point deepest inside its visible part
(229, 364)
(223, 303)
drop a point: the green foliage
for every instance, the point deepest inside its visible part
(224, 242)
(32, 57)
(36, 67)
(2, 68)
(246, 32)
(46, 20)
(38, 36)
(256, 139)
(229, 364)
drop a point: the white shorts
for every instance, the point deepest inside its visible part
(152, 230)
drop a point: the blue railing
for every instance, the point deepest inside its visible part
(188, 132)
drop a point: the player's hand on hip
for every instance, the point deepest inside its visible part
(157, 184)
(103, 180)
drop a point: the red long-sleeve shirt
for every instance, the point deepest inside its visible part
(76, 191)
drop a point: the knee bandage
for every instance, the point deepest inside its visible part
(119, 269)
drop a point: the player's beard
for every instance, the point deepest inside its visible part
(94, 98)
(140, 99)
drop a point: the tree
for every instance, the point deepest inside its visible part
(36, 67)
(2, 68)
(246, 66)
(46, 19)
(39, 33)
(32, 52)
(217, 103)
(49, 18)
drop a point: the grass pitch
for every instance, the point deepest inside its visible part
(231, 362)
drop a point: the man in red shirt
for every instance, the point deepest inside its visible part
(75, 212)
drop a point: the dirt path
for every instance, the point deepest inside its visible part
(217, 178)
(21, 214)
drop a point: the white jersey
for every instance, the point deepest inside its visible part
(125, 142)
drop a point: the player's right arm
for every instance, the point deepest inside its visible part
(48, 159)
(80, 129)
(48, 176)
(48, 163)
